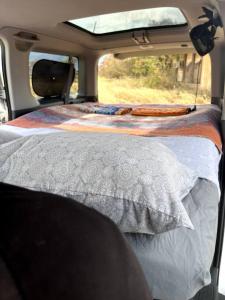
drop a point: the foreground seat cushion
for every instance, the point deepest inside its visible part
(56, 248)
(8, 288)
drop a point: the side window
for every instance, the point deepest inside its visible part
(3, 91)
(36, 56)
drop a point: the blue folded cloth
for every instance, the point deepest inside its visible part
(107, 110)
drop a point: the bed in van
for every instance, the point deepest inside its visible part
(120, 107)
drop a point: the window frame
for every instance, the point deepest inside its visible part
(5, 79)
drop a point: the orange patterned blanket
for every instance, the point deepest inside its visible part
(204, 122)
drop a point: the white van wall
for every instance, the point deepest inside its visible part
(17, 65)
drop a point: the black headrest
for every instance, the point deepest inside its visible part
(49, 78)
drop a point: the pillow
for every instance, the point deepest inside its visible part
(136, 182)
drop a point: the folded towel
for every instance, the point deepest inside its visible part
(160, 112)
(103, 109)
(112, 110)
(106, 110)
(124, 111)
(84, 108)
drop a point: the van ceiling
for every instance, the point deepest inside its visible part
(47, 17)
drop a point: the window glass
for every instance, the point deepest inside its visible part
(36, 56)
(165, 79)
(144, 18)
(3, 95)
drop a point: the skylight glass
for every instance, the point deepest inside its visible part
(135, 19)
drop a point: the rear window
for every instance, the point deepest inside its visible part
(165, 79)
(36, 56)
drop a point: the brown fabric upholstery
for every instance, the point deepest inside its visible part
(57, 249)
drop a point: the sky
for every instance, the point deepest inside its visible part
(132, 19)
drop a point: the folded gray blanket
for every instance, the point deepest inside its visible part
(137, 183)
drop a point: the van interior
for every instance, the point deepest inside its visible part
(119, 105)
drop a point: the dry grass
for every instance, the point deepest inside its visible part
(74, 89)
(129, 90)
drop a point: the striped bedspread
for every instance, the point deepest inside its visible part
(204, 122)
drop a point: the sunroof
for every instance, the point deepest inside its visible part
(135, 19)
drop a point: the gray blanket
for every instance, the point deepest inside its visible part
(177, 263)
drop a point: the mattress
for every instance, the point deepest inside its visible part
(176, 263)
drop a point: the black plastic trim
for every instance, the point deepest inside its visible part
(216, 101)
(87, 98)
(124, 31)
(21, 112)
(221, 219)
(50, 100)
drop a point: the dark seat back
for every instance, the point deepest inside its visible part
(49, 78)
(58, 249)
